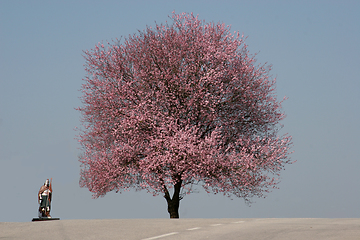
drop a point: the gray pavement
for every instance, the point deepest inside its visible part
(194, 229)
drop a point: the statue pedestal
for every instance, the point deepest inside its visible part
(44, 219)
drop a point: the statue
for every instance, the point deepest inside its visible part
(44, 199)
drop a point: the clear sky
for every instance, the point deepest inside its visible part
(314, 47)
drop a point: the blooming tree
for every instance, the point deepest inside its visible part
(179, 105)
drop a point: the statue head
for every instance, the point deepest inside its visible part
(46, 182)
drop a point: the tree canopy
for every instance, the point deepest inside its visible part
(178, 105)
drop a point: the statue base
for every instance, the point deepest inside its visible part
(44, 219)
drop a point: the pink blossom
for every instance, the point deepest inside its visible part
(180, 105)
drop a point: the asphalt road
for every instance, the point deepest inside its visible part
(194, 229)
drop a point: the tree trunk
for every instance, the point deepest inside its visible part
(174, 202)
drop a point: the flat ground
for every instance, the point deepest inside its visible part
(140, 229)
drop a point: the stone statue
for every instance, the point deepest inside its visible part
(44, 198)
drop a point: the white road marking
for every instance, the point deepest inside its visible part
(239, 222)
(195, 228)
(160, 236)
(214, 225)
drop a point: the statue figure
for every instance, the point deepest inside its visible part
(44, 198)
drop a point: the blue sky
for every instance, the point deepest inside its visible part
(313, 47)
